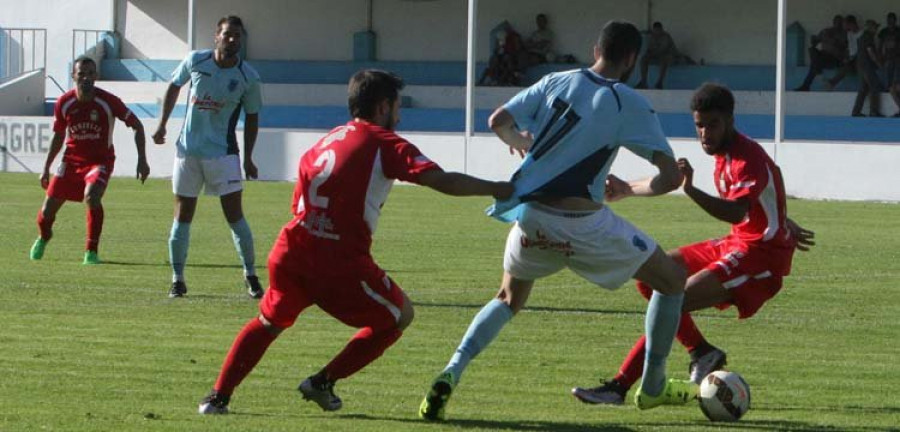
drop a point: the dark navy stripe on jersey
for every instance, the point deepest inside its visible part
(605, 83)
(232, 127)
(576, 181)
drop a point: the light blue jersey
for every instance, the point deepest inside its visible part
(217, 96)
(579, 120)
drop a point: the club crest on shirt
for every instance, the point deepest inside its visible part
(232, 85)
(95, 116)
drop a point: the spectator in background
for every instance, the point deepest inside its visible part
(506, 63)
(889, 49)
(828, 51)
(867, 64)
(853, 35)
(539, 45)
(661, 50)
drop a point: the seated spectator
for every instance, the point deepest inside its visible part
(867, 63)
(889, 48)
(540, 44)
(660, 50)
(828, 51)
(506, 63)
(853, 35)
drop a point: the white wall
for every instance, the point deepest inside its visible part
(718, 31)
(59, 17)
(844, 171)
(23, 95)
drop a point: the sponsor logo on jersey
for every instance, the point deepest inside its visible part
(207, 103)
(639, 243)
(95, 116)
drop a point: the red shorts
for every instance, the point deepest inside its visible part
(71, 180)
(359, 294)
(753, 275)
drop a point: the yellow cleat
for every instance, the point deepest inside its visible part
(677, 392)
(435, 401)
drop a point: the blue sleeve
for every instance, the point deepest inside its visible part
(525, 105)
(252, 98)
(641, 131)
(182, 74)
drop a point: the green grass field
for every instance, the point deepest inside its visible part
(103, 348)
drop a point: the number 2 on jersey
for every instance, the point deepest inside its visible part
(328, 158)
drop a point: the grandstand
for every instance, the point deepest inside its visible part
(139, 42)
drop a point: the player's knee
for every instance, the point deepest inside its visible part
(270, 327)
(406, 316)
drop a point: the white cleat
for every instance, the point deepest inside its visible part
(213, 404)
(323, 395)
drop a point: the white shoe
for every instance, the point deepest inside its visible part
(213, 404)
(323, 395)
(706, 364)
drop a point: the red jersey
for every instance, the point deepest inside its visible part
(342, 184)
(745, 170)
(90, 125)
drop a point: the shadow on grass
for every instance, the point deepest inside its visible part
(165, 264)
(512, 425)
(790, 425)
(712, 314)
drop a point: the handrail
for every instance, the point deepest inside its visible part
(26, 42)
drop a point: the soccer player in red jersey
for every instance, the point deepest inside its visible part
(84, 117)
(743, 269)
(323, 257)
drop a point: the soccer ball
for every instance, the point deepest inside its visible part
(724, 396)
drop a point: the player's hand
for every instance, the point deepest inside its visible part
(159, 137)
(616, 188)
(805, 238)
(521, 144)
(250, 169)
(687, 171)
(503, 190)
(143, 170)
(45, 180)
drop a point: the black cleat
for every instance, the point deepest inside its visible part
(214, 403)
(179, 289)
(610, 393)
(254, 289)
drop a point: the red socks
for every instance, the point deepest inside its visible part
(246, 351)
(45, 225)
(94, 227)
(365, 346)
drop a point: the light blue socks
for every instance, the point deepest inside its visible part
(484, 328)
(243, 242)
(660, 325)
(179, 240)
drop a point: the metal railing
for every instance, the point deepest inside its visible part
(23, 50)
(87, 43)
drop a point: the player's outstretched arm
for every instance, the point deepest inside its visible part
(140, 141)
(458, 184)
(55, 146)
(724, 210)
(159, 137)
(251, 130)
(805, 238)
(667, 180)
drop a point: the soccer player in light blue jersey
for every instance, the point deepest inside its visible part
(222, 85)
(569, 126)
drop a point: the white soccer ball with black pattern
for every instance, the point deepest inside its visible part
(724, 396)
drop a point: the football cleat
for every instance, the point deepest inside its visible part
(610, 393)
(179, 289)
(37, 249)
(435, 402)
(254, 289)
(91, 258)
(707, 363)
(321, 393)
(677, 392)
(214, 403)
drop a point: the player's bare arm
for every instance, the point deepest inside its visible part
(804, 237)
(159, 137)
(722, 209)
(504, 125)
(140, 141)
(667, 180)
(458, 184)
(55, 146)
(251, 129)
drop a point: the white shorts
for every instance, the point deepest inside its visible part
(597, 245)
(219, 176)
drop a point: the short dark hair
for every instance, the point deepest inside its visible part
(892, 15)
(618, 40)
(850, 19)
(230, 19)
(368, 88)
(83, 60)
(713, 97)
(657, 25)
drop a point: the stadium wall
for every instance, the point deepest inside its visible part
(22, 95)
(814, 170)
